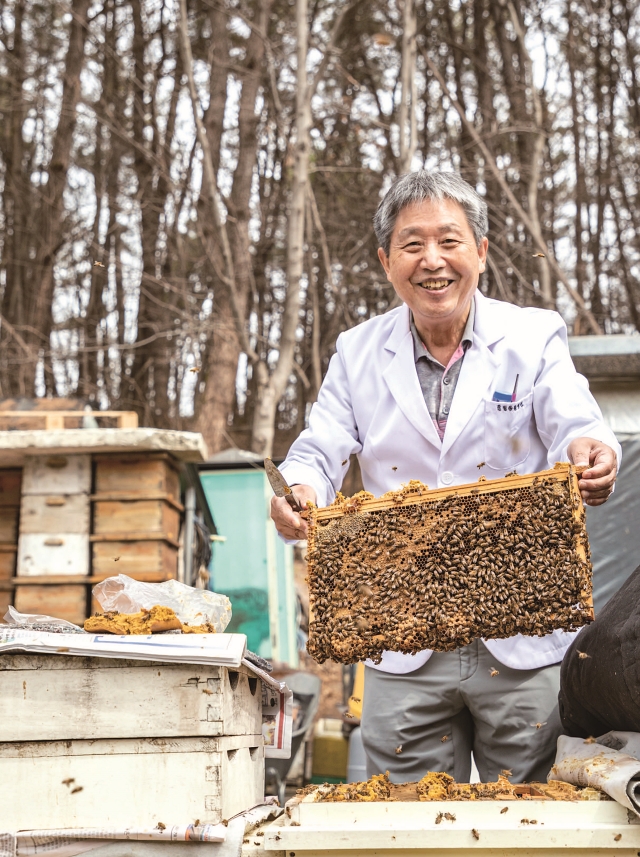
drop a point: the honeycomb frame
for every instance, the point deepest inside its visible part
(435, 569)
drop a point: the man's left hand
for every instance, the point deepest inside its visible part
(596, 483)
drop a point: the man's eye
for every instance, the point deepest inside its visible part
(450, 242)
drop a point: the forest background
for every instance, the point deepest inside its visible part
(187, 186)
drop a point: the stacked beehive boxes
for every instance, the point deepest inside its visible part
(68, 538)
(53, 546)
(125, 743)
(136, 516)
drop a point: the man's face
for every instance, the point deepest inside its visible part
(434, 263)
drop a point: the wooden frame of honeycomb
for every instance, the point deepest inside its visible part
(435, 569)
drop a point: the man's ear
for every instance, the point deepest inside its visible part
(384, 261)
(482, 254)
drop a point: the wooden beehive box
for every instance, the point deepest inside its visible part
(528, 826)
(420, 569)
(120, 743)
(137, 515)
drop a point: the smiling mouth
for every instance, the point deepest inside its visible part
(434, 285)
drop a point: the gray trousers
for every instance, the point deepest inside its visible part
(433, 718)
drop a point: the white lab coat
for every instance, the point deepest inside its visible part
(371, 404)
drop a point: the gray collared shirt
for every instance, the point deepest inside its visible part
(438, 382)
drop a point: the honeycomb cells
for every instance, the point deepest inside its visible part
(437, 574)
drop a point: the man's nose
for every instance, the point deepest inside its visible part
(432, 258)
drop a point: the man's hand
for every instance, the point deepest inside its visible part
(289, 523)
(596, 484)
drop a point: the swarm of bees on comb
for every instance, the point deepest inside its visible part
(419, 569)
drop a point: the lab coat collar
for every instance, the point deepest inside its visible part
(402, 379)
(476, 375)
(478, 369)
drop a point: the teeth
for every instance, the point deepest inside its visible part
(433, 285)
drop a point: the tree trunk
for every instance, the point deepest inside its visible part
(271, 389)
(407, 128)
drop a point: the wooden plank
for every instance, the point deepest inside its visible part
(55, 513)
(124, 783)
(137, 473)
(10, 486)
(105, 698)
(63, 602)
(139, 495)
(43, 553)
(57, 579)
(6, 599)
(127, 419)
(7, 563)
(16, 446)
(54, 420)
(9, 525)
(133, 537)
(411, 494)
(134, 558)
(153, 517)
(57, 474)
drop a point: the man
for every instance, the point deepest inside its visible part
(419, 393)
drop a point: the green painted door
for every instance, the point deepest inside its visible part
(252, 565)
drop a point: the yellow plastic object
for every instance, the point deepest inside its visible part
(354, 707)
(330, 750)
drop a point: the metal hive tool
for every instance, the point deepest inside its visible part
(420, 569)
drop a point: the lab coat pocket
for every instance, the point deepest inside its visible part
(506, 432)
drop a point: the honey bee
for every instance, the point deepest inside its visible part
(582, 655)
(539, 725)
(398, 749)
(504, 809)
(617, 837)
(439, 817)
(475, 833)
(76, 790)
(590, 740)
(161, 826)
(449, 816)
(493, 672)
(444, 739)
(394, 469)
(345, 461)
(481, 465)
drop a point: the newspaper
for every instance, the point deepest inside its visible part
(41, 841)
(277, 715)
(225, 650)
(225, 841)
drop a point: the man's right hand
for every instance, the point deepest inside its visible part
(289, 523)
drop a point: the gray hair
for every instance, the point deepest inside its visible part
(413, 188)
